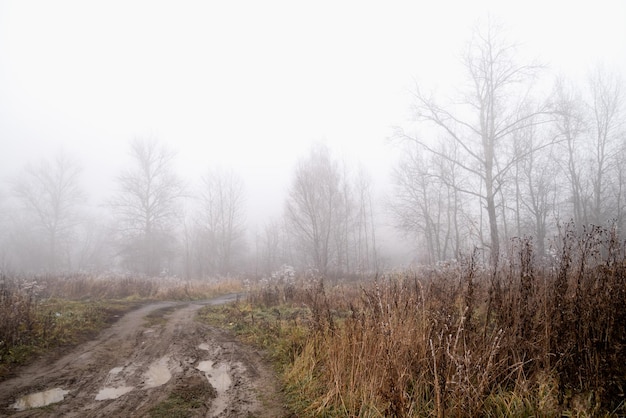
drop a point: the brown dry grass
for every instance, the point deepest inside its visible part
(532, 338)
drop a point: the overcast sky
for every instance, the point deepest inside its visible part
(252, 84)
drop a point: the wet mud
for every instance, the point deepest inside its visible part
(152, 361)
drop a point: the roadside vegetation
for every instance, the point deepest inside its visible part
(43, 313)
(534, 337)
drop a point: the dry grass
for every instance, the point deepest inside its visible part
(530, 339)
(116, 287)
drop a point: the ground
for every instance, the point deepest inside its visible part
(156, 361)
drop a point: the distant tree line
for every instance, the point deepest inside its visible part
(498, 159)
(155, 224)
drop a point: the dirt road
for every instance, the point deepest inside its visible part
(156, 361)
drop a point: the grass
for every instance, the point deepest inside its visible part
(530, 338)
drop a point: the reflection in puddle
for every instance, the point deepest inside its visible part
(112, 393)
(158, 374)
(219, 378)
(39, 399)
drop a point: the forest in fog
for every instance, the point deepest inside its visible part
(512, 150)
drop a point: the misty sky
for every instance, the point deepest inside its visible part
(252, 84)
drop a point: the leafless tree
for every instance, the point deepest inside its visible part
(590, 126)
(222, 219)
(428, 204)
(49, 195)
(607, 129)
(366, 257)
(314, 208)
(570, 126)
(146, 207)
(273, 248)
(482, 120)
(537, 180)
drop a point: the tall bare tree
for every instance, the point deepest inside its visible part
(481, 121)
(366, 252)
(49, 194)
(146, 207)
(537, 180)
(607, 129)
(569, 121)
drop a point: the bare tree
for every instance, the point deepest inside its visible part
(591, 129)
(146, 207)
(366, 257)
(49, 195)
(314, 208)
(480, 123)
(607, 126)
(536, 184)
(273, 248)
(222, 219)
(427, 203)
(570, 126)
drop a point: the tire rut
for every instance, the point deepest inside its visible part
(154, 358)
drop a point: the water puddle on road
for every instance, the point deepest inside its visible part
(158, 373)
(39, 399)
(219, 378)
(115, 370)
(113, 393)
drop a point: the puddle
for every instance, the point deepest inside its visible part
(39, 399)
(205, 347)
(219, 378)
(158, 373)
(113, 393)
(115, 370)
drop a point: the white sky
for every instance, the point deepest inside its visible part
(251, 84)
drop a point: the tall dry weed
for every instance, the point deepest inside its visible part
(533, 337)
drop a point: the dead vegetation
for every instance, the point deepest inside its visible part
(532, 338)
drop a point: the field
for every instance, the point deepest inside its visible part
(532, 338)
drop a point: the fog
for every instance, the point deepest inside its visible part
(253, 93)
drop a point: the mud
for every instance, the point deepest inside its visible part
(152, 359)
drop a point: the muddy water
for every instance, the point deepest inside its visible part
(219, 377)
(158, 373)
(113, 393)
(39, 399)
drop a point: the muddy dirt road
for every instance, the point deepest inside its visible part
(154, 361)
